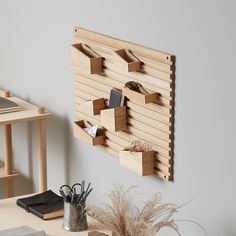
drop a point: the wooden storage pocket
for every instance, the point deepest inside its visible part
(80, 133)
(142, 163)
(114, 119)
(127, 61)
(94, 107)
(86, 59)
(140, 97)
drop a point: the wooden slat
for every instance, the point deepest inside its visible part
(150, 71)
(146, 136)
(162, 175)
(80, 110)
(121, 140)
(116, 79)
(141, 77)
(163, 168)
(151, 130)
(107, 53)
(134, 115)
(115, 82)
(106, 85)
(163, 160)
(147, 120)
(111, 41)
(165, 94)
(133, 106)
(128, 136)
(138, 125)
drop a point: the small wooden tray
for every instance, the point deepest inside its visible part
(82, 135)
(139, 97)
(114, 118)
(127, 61)
(94, 107)
(142, 163)
(86, 59)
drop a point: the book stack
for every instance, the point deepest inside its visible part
(7, 105)
(46, 205)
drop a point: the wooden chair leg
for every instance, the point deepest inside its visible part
(8, 159)
(42, 157)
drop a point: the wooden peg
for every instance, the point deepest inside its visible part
(6, 94)
(41, 110)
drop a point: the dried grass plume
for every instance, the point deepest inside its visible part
(124, 219)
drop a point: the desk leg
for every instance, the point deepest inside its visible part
(8, 159)
(42, 157)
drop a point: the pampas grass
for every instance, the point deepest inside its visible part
(124, 219)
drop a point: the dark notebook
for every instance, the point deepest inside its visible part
(46, 205)
(7, 105)
(116, 98)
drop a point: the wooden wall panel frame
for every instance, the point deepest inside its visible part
(153, 122)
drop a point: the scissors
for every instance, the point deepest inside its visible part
(66, 192)
(76, 193)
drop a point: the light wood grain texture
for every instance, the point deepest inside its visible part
(123, 139)
(93, 107)
(6, 94)
(126, 60)
(111, 41)
(148, 117)
(142, 163)
(28, 112)
(12, 216)
(139, 97)
(114, 79)
(130, 136)
(42, 156)
(8, 159)
(149, 64)
(41, 110)
(85, 58)
(114, 118)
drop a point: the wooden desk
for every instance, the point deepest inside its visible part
(13, 216)
(28, 112)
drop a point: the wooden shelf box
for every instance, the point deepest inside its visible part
(114, 119)
(127, 61)
(93, 107)
(86, 59)
(142, 163)
(82, 135)
(140, 97)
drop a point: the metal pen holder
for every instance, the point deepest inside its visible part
(75, 218)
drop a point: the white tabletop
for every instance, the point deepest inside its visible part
(13, 216)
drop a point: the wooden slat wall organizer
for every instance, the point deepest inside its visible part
(151, 120)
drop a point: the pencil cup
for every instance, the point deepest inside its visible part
(75, 218)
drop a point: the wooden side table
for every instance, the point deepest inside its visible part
(28, 112)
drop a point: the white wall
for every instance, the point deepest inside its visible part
(35, 64)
